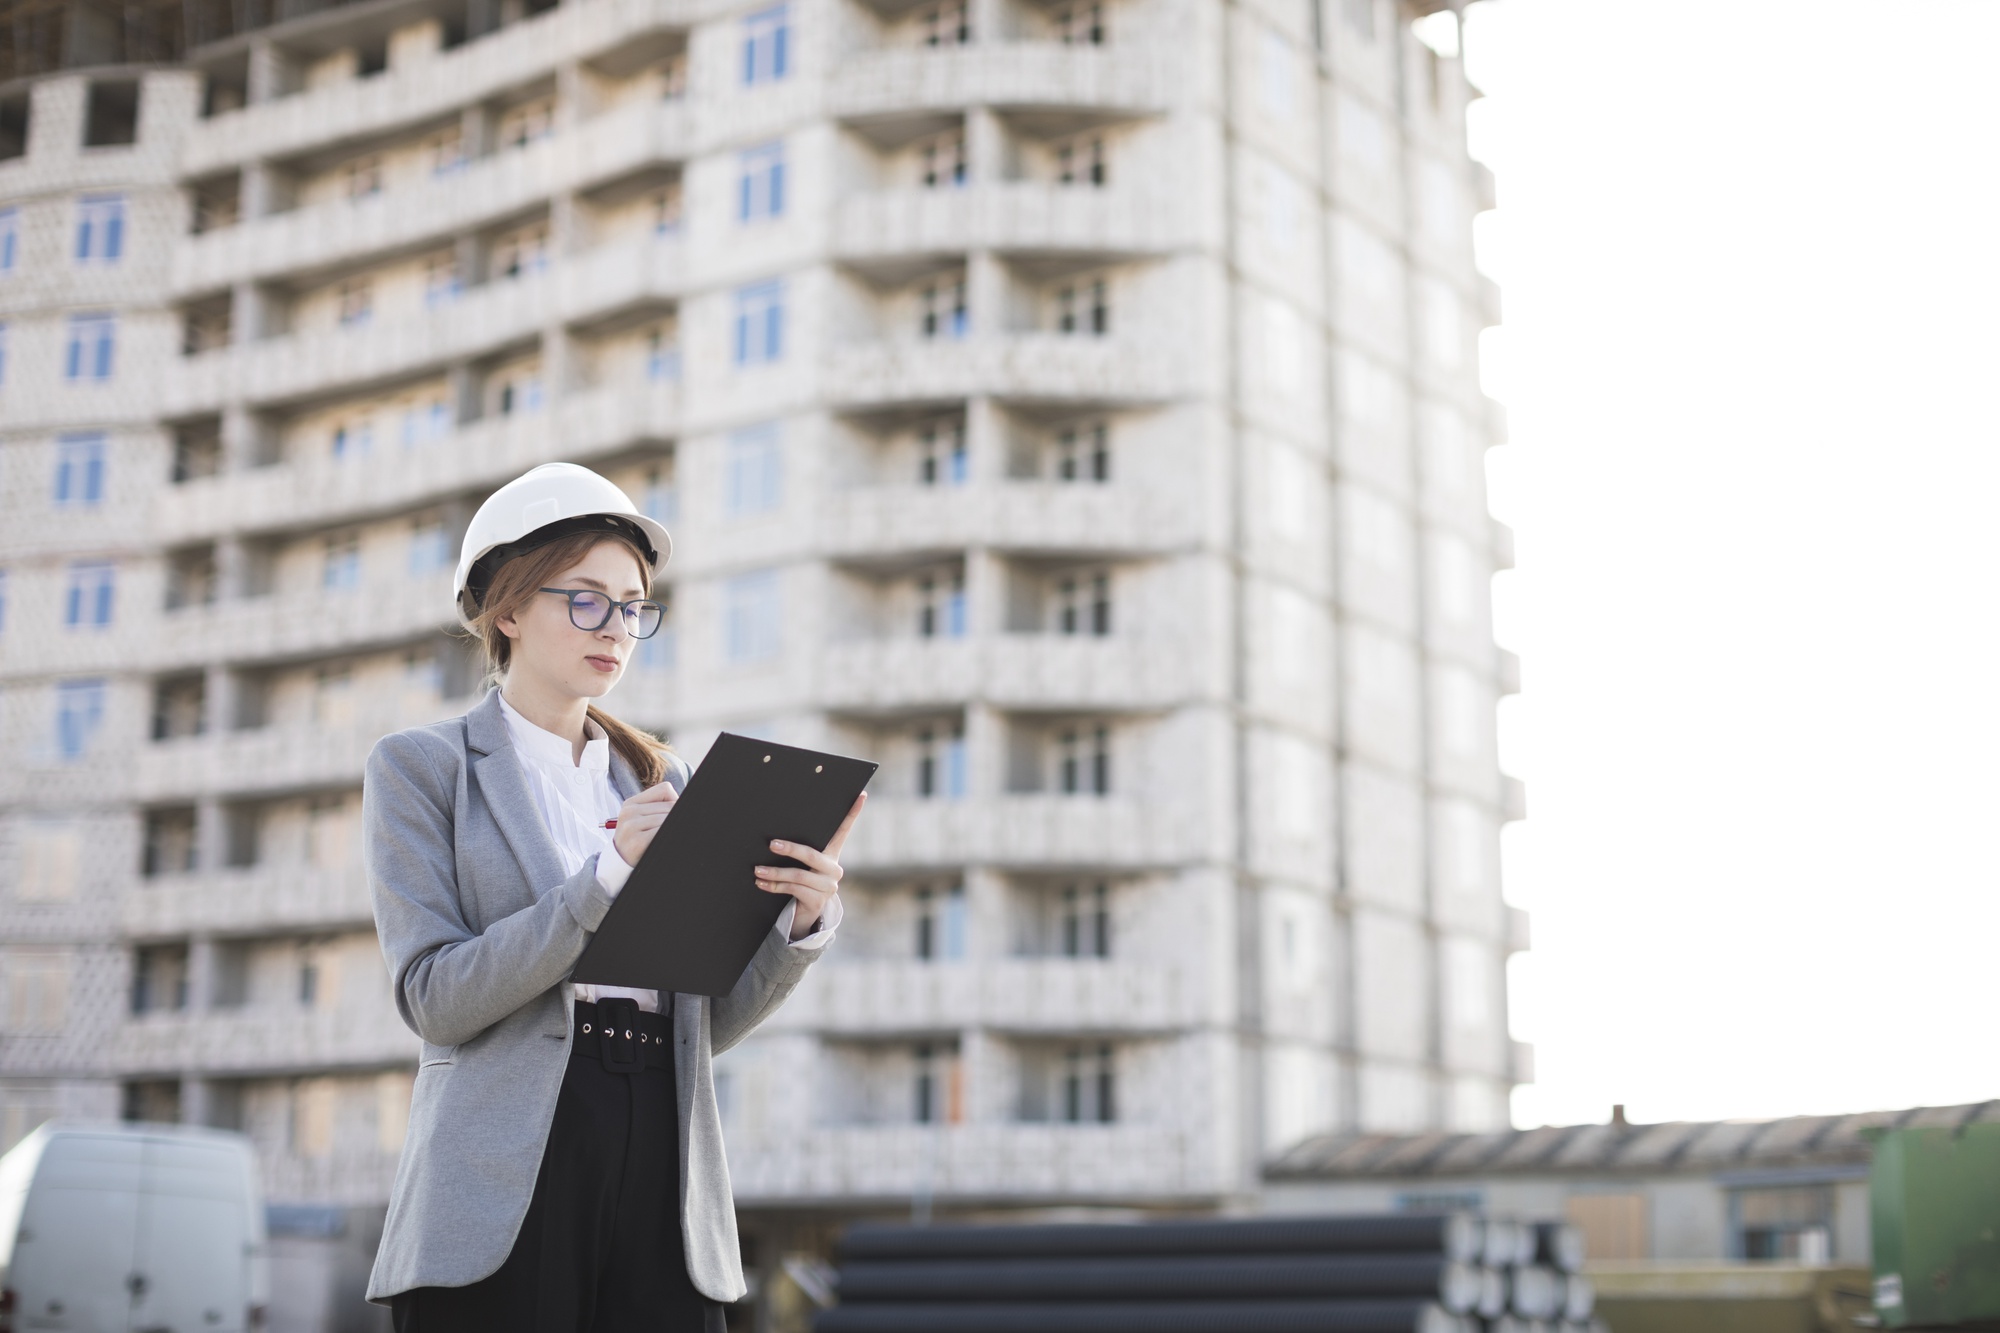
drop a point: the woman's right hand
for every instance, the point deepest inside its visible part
(640, 818)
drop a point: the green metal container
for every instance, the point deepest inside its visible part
(1934, 1200)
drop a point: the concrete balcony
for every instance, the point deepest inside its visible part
(427, 91)
(1021, 671)
(258, 900)
(486, 319)
(484, 193)
(1042, 366)
(270, 761)
(1017, 1163)
(1120, 518)
(1113, 80)
(302, 625)
(1026, 996)
(1030, 832)
(1005, 216)
(322, 491)
(242, 1042)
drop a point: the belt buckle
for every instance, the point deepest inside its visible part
(618, 1036)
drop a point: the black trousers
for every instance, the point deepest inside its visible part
(600, 1249)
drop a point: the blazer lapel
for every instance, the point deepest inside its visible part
(505, 785)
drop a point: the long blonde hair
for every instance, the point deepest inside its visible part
(514, 585)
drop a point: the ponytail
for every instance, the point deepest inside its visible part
(634, 746)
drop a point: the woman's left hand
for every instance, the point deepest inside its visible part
(814, 886)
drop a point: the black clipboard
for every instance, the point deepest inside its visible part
(691, 917)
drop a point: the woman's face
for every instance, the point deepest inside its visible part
(550, 650)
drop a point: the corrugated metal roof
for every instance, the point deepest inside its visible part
(1696, 1146)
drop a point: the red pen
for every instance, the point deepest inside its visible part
(611, 823)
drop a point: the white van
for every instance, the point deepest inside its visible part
(131, 1229)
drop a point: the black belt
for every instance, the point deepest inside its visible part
(621, 1034)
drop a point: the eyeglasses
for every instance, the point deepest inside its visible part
(591, 611)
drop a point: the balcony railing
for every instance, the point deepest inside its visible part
(1008, 216)
(481, 193)
(305, 623)
(1042, 996)
(1046, 366)
(271, 760)
(1121, 517)
(427, 91)
(1134, 78)
(1083, 831)
(486, 319)
(263, 1041)
(250, 901)
(324, 489)
(1029, 671)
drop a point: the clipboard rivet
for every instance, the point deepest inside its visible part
(819, 768)
(767, 758)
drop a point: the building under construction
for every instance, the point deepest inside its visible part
(1071, 404)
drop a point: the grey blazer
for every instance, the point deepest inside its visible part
(481, 930)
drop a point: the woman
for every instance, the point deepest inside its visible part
(563, 1171)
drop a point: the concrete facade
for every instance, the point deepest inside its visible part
(1072, 406)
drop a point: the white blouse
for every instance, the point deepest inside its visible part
(576, 797)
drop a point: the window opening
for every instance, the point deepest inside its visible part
(111, 114)
(941, 456)
(766, 39)
(79, 470)
(944, 160)
(944, 310)
(92, 340)
(1080, 25)
(761, 183)
(100, 228)
(948, 24)
(1081, 162)
(760, 323)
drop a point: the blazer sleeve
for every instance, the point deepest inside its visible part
(774, 973)
(451, 983)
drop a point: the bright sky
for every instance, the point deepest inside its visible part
(1752, 364)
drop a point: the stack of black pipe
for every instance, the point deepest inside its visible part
(1402, 1273)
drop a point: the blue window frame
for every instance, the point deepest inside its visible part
(79, 713)
(766, 43)
(751, 607)
(760, 182)
(430, 548)
(93, 340)
(663, 357)
(342, 571)
(79, 470)
(663, 499)
(424, 423)
(941, 764)
(661, 653)
(755, 470)
(10, 238)
(353, 439)
(88, 596)
(100, 228)
(760, 323)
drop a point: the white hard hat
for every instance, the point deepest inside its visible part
(538, 507)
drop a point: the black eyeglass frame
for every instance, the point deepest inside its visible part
(614, 608)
